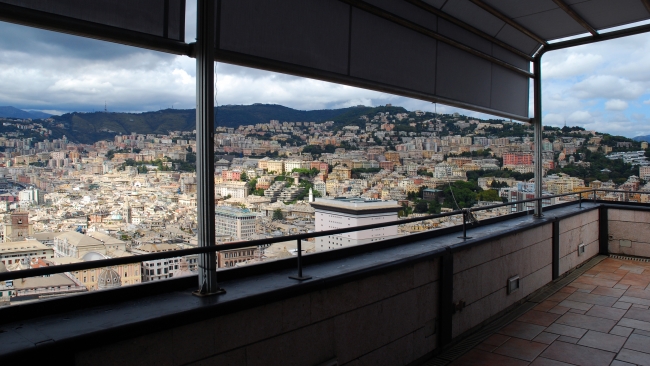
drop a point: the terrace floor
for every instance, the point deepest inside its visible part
(601, 318)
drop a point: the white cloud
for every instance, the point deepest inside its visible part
(608, 86)
(596, 86)
(616, 105)
(580, 117)
(574, 64)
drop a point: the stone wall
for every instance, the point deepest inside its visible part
(383, 319)
(629, 232)
(574, 231)
(481, 274)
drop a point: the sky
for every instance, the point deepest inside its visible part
(603, 86)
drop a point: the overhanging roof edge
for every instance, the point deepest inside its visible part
(59, 23)
(303, 71)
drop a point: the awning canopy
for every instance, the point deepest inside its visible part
(474, 54)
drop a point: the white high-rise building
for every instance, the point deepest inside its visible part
(234, 222)
(349, 212)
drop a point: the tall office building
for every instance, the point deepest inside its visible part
(342, 213)
(234, 222)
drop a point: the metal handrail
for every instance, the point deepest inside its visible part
(33, 272)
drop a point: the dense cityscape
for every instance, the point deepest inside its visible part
(64, 202)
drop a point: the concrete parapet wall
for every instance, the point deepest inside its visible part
(629, 232)
(382, 319)
(481, 274)
(574, 231)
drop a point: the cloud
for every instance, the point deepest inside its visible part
(580, 117)
(603, 86)
(574, 64)
(608, 86)
(616, 105)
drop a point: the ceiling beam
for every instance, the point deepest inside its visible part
(647, 4)
(467, 27)
(567, 9)
(509, 21)
(603, 37)
(379, 12)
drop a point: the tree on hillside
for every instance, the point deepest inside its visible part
(277, 215)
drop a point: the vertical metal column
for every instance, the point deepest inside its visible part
(603, 230)
(446, 299)
(556, 250)
(537, 110)
(205, 36)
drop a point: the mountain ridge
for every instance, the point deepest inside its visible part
(13, 112)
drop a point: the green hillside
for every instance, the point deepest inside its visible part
(91, 127)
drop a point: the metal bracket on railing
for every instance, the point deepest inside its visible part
(466, 215)
(300, 276)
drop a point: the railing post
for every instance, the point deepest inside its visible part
(300, 277)
(580, 194)
(465, 214)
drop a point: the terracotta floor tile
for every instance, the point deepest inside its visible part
(634, 300)
(568, 290)
(521, 349)
(622, 305)
(638, 343)
(594, 281)
(577, 311)
(565, 330)
(638, 314)
(558, 296)
(587, 322)
(622, 331)
(621, 363)
(641, 294)
(546, 338)
(603, 341)
(539, 318)
(607, 267)
(522, 330)
(593, 299)
(607, 291)
(496, 340)
(578, 355)
(546, 305)
(634, 357)
(611, 275)
(541, 361)
(641, 332)
(482, 358)
(631, 282)
(568, 339)
(584, 291)
(621, 271)
(582, 286)
(606, 312)
(632, 268)
(559, 310)
(623, 287)
(485, 347)
(576, 305)
(633, 323)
